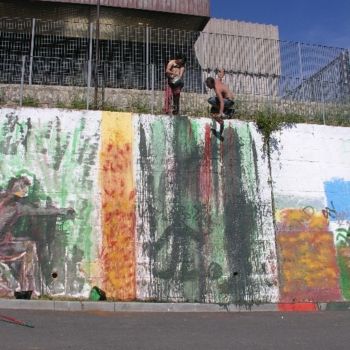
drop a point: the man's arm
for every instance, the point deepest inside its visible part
(182, 70)
(168, 70)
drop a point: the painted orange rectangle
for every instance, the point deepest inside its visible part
(118, 206)
(307, 257)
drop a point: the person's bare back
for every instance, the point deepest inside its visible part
(223, 90)
(222, 103)
(224, 97)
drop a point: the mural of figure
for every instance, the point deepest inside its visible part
(19, 253)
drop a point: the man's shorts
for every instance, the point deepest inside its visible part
(176, 83)
(228, 105)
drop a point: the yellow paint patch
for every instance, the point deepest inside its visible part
(118, 205)
(308, 268)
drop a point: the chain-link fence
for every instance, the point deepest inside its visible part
(295, 77)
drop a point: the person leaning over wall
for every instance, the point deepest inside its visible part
(222, 103)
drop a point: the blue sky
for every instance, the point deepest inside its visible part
(325, 22)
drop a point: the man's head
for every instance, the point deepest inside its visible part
(180, 59)
(19, 186)
(210, 82)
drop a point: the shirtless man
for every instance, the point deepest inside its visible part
(222, 104)
(174, 71)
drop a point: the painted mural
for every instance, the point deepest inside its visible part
(311, 186)
(204, 221)
(309, 270)
(157, 208)
(145, 207)
(49, 201)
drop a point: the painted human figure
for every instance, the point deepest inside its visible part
(175, 70)
(21, 250)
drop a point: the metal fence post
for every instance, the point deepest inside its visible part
(32, 43)
(89, 68)
(97, 53)
(22, 80)
(252, 63)
(203, 51)
(323, 104)
(152, 87)
(147, 57)
(346, 78)
(301, 71)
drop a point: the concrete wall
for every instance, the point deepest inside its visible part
(192, 104)
(157, 208)
(311, 183)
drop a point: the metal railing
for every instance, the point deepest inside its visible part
(35, 52)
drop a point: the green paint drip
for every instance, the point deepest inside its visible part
(247, 159)
(344, 275)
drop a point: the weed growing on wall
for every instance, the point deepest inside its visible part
(78, 103)
(269, 123)
(30, 101)
(2, 97)
(60, 104)
(140, 106)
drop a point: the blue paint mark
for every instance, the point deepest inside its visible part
(338, 199)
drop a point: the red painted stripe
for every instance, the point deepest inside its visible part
(205, 170)
(297, 307)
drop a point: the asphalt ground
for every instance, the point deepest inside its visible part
(94, 330)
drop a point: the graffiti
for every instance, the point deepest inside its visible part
(19, 253)
(343, 236)
(326, 212)
(57, 152)
(197, 223)
(330, 212)
(304, 244)
(181, 265)
(162, 210)
(308, 218)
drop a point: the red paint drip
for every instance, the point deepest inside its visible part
(205, 170)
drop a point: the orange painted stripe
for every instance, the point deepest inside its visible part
(118, 206)
(297, 307)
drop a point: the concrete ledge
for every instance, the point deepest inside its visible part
(340, 306)
(51, 305)
(97, 306)
(167, 307)
(67, 306)
(27, 304)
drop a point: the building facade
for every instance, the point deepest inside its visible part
(248, 52)
(184, 14)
